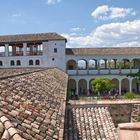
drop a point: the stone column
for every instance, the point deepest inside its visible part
(120, 67)
(98, 67)
(24, 49)
(87, 68)
(120, 84)
(130, 85)
(109, 66)
(6, 50)
(131, 62)
(77, 90)
(13, 50)
(76, 67)
(88, 88)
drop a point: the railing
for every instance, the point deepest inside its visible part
(28, 53)
(101, 71)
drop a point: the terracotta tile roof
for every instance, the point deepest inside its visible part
(31, 37)
(7, 129)
(103, 51)
(7, 73)
(89, 123)
(34, 103)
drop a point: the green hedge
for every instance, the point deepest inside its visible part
(129, 95)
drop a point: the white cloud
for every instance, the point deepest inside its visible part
(105, 12)
(76, 29)
(16, 15)
(52, 2)
(122, 34)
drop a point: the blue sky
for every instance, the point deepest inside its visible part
(85, 23)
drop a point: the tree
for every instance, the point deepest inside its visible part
(101, 85)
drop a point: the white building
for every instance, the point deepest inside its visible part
(32, 50)
(82, 64)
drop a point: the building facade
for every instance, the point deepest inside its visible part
(48, 50)
(32, 50)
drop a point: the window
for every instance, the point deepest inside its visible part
(30, 62)
(1, 63)
(53, 59)
(12, 63)
(55, 50)
(18, 63)
(37, 62)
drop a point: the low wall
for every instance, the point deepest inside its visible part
(135, 115)
(120, 113)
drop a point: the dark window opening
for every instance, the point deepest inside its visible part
(1, 63)
(18, 63)
(71, 67)
(37, 62)
(12, 63)
(30, 62)
(53, 59)
(55, 50)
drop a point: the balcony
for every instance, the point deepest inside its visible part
(101, 72)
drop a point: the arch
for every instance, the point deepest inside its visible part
(71, 87)
(37, 62)
(82, 87)
(104, 64)
(31, 62)
(18, 62)
(136, 63)
(113, 63)
(12, 63)
(71, 65)
(92, 64)
(91, 91)
(125, 85)
(82, 64)
(125, 63)
(115, 83)
(1, 63)
(135, 85)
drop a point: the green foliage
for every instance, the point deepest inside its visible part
(138, 119)
(129, 95)
(101, 85)
(125, 64)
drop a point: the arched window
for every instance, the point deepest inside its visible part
(30, 62)
(37, 62)
(12, 63)
(18, 63)
(1, 64)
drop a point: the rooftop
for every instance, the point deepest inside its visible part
(89, 123)
(32, 105)
(103, 51)
(30, 37)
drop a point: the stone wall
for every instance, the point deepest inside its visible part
(121, 113)
(135, 115)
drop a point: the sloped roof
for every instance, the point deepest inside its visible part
(103, 51)
(89, 123)
(30, 37)
(7, 129)
(34, 104)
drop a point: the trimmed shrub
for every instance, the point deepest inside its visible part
(129, 95)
